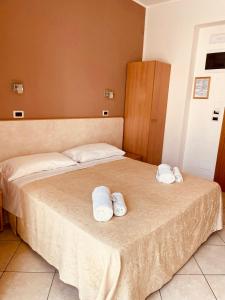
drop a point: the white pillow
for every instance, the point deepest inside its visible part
(91, 152)
(25, 165)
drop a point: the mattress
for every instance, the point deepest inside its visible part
(128, 257)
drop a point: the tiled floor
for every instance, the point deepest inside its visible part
(24, 275)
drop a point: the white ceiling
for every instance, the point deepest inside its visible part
(150, 2)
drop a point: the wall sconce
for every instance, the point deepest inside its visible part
(108, 93)
(17, 87)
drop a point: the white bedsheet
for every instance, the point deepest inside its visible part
(11, 190)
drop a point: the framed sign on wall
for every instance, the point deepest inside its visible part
(201, 87)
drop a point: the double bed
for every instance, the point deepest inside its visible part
(128, 257)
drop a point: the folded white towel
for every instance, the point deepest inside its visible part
(177, 174)
(102, 204)
(165, 174)
(119, 206)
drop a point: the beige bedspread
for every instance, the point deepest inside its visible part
(129, 257)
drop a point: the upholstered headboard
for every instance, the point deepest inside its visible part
(35, 136)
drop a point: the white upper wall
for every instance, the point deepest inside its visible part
(169, 36)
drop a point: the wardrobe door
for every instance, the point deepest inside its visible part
(158, 113)
(139, 90)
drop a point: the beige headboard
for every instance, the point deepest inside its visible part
(35, 136)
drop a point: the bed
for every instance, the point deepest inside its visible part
(128, 257)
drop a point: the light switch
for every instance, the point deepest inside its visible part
(215, 115)
(215, 118)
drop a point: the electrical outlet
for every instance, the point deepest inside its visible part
(105, 113)
(18, 114)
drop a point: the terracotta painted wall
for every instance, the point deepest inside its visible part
(66, 53)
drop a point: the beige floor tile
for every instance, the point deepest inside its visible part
(25, 286)
(7, 250)
(221, 233)
(187, 287)
(217, 283)
(190, 268)
(8, 235)
(211, 259)
(60, 290)
(215, 239)
(26, 260)
(154, 296)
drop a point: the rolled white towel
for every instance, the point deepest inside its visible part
(119, 206)
(102, 204)
(178, 175)
(165, 174)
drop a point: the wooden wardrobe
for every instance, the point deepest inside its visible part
(145, 109)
